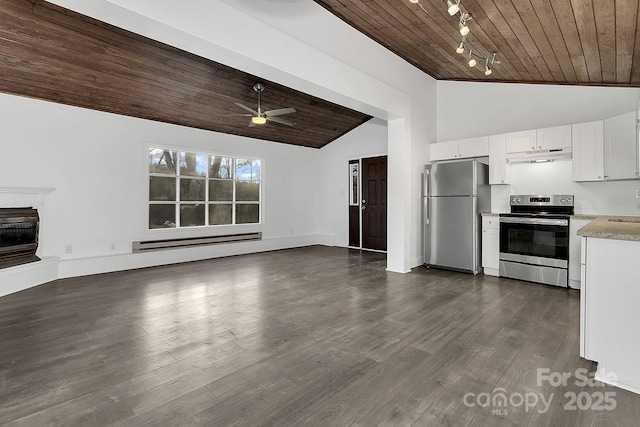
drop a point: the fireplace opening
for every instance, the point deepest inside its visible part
(19, 228)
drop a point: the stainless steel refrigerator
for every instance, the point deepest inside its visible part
(454, 195)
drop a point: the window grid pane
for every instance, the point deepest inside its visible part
(188, 189)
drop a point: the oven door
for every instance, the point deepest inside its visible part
(535, 240)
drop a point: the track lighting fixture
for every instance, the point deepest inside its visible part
(452, 7)
(464, 28)
(472, 60)
(487, 69)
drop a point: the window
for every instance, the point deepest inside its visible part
(189, 189)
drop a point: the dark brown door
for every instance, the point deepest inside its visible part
(374, 203)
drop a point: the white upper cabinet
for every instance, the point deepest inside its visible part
(443, 150)
(499, 170)
(620, 147)
(588, 151)
(555, 138)
(606, 150)
(518, 142)
(459, 149)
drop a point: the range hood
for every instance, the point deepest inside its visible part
(539, 156)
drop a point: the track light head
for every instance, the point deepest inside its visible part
(452, 7)
(414, 1)
(460, 48)
(487, 69)
(464, 28)
(472, 60)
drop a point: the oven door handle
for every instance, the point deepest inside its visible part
(534, 221)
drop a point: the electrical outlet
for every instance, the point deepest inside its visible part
(68, 249)
(637, 194)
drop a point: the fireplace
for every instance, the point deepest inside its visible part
(18, 236)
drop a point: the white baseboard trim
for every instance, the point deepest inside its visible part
(25, 276)
(75, 267)
(491, 272)
(604, 375)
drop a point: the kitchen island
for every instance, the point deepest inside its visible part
(609, 300)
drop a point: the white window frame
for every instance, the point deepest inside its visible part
(177, 203)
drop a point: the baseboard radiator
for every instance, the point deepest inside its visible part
(190, 242)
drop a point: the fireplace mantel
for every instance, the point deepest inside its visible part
(26, 190)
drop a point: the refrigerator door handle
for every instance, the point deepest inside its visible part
(425, 183)
(426, 210)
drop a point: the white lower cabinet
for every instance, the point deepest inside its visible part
(491, 245)
(575, 224)
(609, 316)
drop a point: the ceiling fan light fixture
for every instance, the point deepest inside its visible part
(452, 7)
(258, 120)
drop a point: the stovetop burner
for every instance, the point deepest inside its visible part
(537, 204)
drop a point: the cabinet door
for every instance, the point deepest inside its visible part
(620, 147)
(588, 151)
(554, 138)
(490, 244)
(575, 256)
(499, 171)
(473, 147)
(518, 142)
(443, 150)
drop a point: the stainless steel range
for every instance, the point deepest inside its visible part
(534, 239)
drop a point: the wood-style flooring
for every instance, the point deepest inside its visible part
(311, 336)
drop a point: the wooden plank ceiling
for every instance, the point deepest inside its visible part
(586, 42)
(51, 53)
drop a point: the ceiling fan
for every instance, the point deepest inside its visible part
(259, 117)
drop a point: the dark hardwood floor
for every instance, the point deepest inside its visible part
(310, 336)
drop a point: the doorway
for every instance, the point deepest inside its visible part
(368, 214)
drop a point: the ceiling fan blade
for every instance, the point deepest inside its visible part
(235, 115)
(280, 112)
(247, 108)
(279, 120)
(251, 124)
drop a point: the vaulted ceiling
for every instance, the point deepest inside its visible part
(52, 53)
(592, 42)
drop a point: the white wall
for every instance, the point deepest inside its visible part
(468, 109)
(97, 163)
(305, 47)
(604, 198)
(368, 140)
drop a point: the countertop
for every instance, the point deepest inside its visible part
(612, 227)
